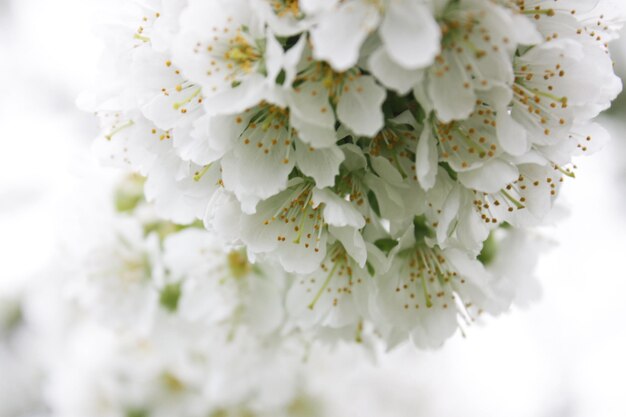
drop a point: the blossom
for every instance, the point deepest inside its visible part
(475, 57)
(408, 31)
(321, 96)
(426, 290)
(284, 17)
(352, 148)
(556, 84)
(337, 294)
(295, 224)
(119, 274)
(223, 47)
(259, 149)
(221, 286)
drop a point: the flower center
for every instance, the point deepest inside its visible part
(242, 54)
(283, 8)
(334, 82)
(299, 213)
(340, 268)
(463, 144)
(238, 264)
(269, 129)
(142, 32)
(428, 279)
(534, 90)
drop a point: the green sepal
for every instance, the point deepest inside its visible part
(170, 296)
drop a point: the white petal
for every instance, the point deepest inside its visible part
(338, 212)
(452, 96)
(410, 34)
(592, 137)
(352, 242)
(435, 328)
(390, 74)
(494, 175)
(320, 164)
(389, 197)
(291, 59)
(254, 175)
(223, 216)
(449, 213)
(511, 135)
(309, 103)
(386, 170)
(426, 159)
(355, 160)
(274, 57)
(197, 146)
(525, 31)
(471, 231)
(317, 6)
(237, 99)
(296, 258)
(360, 107)
(339, 35)
(264, 311)
(315, 135)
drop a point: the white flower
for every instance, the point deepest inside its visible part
(591, 22)
(118, 273)
(511, 257)
(560, 82)
(453, 217)
(583, 139)
(259, 149)
(128, 140)
(319, 93)
(408, 31)
(284, 17)
(223, 48)
(293, 226)
(476, 53)
(470, 147)
(393, 158)
(181, 190)
(221, 286)
(338, 293)
(369, 148)
(427, 290)
(163, 95)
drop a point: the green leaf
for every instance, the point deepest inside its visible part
(170, 295)
(452, 173)
(489, 251)
(137, 412)
(280, 78)
(371, 198)
(386, 244)
(421, 230)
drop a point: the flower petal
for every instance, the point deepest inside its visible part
(426, 159)
(410, 34)
(352, 241)
(337, 212)
(491, 177)
(339, 35)
(360, 107)
(320, 164)
(390, 74)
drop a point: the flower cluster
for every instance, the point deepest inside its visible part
(372, 149)
(139, 317)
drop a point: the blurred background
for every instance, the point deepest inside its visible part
(562, 357)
